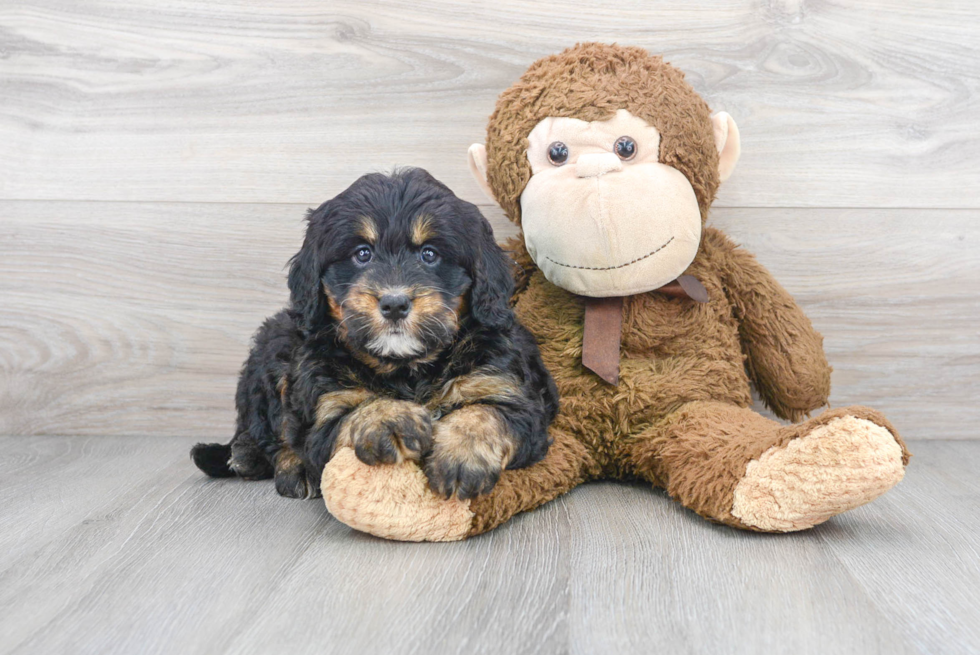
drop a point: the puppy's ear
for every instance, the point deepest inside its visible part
(493, 283)
(306, 294)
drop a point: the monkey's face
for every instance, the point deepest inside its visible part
(601, 215)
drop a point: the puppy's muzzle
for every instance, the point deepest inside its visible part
(394, 307)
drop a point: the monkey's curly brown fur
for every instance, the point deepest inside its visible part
(680, 416)
(590, 82)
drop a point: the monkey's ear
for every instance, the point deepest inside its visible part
(477, 156)
(493, 284)
(305, 287)
(728, 143)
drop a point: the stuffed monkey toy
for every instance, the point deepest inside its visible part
(652, 324)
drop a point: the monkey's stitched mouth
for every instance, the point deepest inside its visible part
(612, 268)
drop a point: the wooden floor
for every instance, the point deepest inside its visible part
(117, 545)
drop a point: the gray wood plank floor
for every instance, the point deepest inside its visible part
(117, 545)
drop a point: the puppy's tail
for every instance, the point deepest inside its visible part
(212, 458)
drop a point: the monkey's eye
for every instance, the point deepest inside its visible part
(362, 255)
(429, 256)
(557, 153)
(625, 147)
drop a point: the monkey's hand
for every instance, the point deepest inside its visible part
(471, 446)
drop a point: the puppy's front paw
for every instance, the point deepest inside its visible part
(471, 446)
(385, 431)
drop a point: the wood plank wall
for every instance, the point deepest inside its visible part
(156, 160)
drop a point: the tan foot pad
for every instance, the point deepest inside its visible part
(392, 501)
(836, 467)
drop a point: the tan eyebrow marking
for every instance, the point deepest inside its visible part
(368, 230)
(422, 229)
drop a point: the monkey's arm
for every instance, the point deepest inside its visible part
(785, 357)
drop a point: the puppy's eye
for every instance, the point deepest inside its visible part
(557, 153)
(625, 147)
(362, 255)
(428, 255)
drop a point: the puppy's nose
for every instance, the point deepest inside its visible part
(394, 306)
(596, 164)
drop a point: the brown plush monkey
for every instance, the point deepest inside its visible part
(652, 324)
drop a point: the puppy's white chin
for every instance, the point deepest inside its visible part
(396, 344)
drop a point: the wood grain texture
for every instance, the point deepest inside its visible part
(156, 161)
(844, 104)
(134, 318)
(167, 561)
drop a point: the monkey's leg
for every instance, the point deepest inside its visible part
(736, 467)
(395, 501)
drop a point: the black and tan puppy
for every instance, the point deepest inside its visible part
(399, 341)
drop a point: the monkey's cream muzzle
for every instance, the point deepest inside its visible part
(624, 226)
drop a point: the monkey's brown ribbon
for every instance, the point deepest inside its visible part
(604, 326)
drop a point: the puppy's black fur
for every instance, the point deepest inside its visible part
(399, 341)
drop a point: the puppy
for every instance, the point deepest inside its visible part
(399, 342)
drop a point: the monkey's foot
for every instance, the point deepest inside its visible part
(392, 501)
(836, 466)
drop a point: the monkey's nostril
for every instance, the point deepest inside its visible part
(394, 306)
